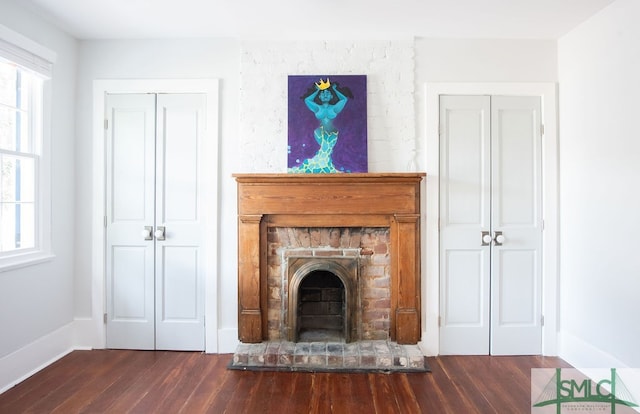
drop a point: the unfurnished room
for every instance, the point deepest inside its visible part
(226, 207)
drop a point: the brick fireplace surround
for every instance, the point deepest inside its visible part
(364, 200)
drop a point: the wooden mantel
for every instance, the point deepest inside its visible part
(329, 200)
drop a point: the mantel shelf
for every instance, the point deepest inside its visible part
(315, 178)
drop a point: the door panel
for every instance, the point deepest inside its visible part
(180, 282)
(516, 161)
(179, 261)
(467, 173)
(516, 294)
(129, 284)
(131, 323)
(131, 168)
(515, 322)
(465, 284)
(130, 184)
(466, 315)
(516, 212)
(464, 215)
(180, 127)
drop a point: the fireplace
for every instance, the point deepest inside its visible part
(290, 291)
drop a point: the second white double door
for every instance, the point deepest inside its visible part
(155, 221)
(490, 225)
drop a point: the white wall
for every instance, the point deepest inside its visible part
(479, 60)
(37, 301)
(160, 59)
(253, 73)
(599, 67)
(396, 72)
(253, 135)
(388, 65)
(464, 66)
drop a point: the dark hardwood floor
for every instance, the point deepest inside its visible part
(110, 381)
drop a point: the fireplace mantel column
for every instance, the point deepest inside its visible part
(250, 315)
(405, 275)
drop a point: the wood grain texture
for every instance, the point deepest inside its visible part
(116, 381)
(329, 200)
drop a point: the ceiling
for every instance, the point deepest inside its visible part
(294, 19)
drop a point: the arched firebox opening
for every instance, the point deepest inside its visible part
(321, 308)
(322, 300)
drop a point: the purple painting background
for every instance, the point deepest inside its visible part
(350, 152)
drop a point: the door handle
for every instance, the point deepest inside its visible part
(486, 238)
(160, 230)
(498, 238)
(146, 233)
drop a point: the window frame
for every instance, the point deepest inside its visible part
(37, 60)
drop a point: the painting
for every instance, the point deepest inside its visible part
(327, 124)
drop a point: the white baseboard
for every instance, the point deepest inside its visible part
(26, 361)
(581, 354)
(428, 344)
(77, 335)
(227, 340)
(85, 334)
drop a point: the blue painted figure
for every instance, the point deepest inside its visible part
(326, 102)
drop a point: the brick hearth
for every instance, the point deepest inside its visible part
(329, 356)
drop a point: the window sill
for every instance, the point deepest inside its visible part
(23, 260)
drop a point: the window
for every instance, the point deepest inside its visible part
(24, 175)
(20, 129)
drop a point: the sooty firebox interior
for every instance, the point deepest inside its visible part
(321, 307)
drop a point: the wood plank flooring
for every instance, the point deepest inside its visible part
(112, 381)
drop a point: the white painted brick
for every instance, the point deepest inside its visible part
(265, 65)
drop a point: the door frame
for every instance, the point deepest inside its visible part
(550, 249)
(101, 87)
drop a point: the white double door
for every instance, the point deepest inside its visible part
(490, 225)
(154, 221)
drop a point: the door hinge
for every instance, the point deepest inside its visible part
(105, 222)
(104, 318)
(541, 130)
(106, 124)
(542, 320)
(439, 321)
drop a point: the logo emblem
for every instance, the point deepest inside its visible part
(570, 390)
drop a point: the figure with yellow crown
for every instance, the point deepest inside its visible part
(326, 101)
